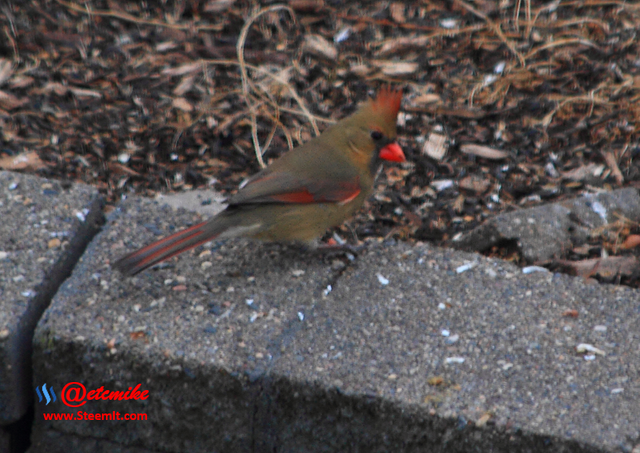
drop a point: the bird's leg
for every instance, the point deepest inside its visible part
(338, 246)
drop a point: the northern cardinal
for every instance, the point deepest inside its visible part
(303, 193)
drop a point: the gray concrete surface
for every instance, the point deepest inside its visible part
(206, 202)
(261, 347)
(5, 440)
(56, 442)
(44, 227)
(549, 231)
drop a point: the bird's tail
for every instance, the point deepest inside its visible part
(170, 246)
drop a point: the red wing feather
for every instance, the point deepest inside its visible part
(287, 189)
(164, 249)
(335, 195)
(294, 197)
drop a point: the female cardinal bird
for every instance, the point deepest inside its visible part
(302, 194)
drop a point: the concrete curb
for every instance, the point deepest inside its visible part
(548, 231)
(262, 347)
(256, 347)
(45, 227)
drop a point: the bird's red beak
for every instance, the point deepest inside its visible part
(392, 152)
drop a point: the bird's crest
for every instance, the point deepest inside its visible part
(387, 102)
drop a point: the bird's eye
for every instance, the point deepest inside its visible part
(376, 135)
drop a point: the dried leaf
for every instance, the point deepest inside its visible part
(55, 87)
(277, 85)
(320, 47)
(398, 45)
(6, 70)
(583, 250)
(475, 183)
(584, 171)
(396, 10)
(25, 161)
(139, 335)
(185, 85)
(306, 6)
(426, 99)
(183, 69)
(396, 68)
(80, 92)
(632, 241)
(604, 267)
(570, 313)
(9, 102)
(182, 104)
(360, 70)
(119, 169)
(482, 421)
(611, 161)
(167, 45)
(484, 151)
(217, 6)
(20, 81)
(436, 146)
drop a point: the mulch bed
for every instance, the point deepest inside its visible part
(507, 104)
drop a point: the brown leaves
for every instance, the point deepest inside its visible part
(26, 161)
(10, 102)
(484, 151)
(632, 241)
(521, 89)
(606, 268)
(6, 70)
(435, 146)
(320, 47)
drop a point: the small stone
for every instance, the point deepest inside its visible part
(449, 360)
(452, 339)
(54, 243)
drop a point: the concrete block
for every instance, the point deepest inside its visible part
(44, 227)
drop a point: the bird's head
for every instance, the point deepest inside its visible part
(374, 125)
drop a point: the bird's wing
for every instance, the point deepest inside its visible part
(284, 187)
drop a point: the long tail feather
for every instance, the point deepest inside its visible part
(165, 248)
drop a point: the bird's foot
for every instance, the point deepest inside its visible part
(339, 246)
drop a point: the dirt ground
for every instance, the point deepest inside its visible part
(508, 104)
